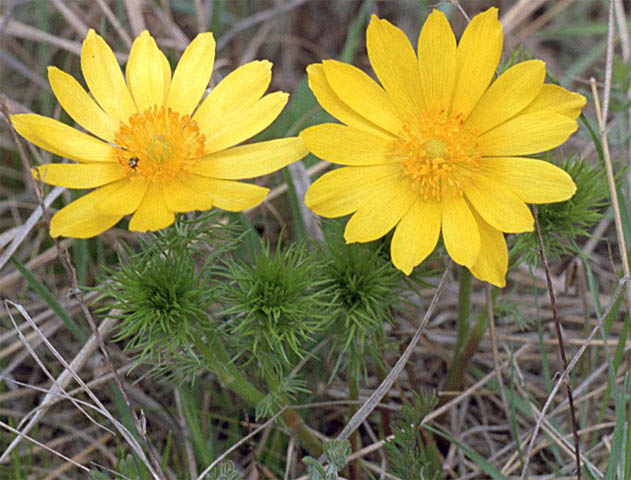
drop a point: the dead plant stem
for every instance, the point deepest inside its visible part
(557, 327)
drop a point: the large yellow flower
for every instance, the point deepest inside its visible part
(439, 145)
(158, 150)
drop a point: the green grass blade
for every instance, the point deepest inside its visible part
(618, 434)
(51, 301)
(478, 459)
(204, 449)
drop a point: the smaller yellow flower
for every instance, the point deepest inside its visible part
(439, 146)
(159, 150)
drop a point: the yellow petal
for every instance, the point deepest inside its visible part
(152, 214)
(80, 106)
(526, 134)
(239, 126)
(241, 89)
(126, 198)
(477, 57)
(145, 72)
(534, 181)
(78, 175)
(460, 231)
(345, 190)
(181, 195)
(380, 213)
(333, 104)
(492, 261)
(508, 95)
(348, 145)
(395, 64)
(229, 195)
(557, 99)
(80, 219)
(249, 161)
(192, 74)
(437, 61)
(416, 235)
(62, 140)
(104, 78)
(498, 205)
(362, 94)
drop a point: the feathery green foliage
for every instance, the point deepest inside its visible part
(562, 223)
(365, 287)
(409, 455)
(225, 471)
(162, 293)
(275, 305)
(336, 453)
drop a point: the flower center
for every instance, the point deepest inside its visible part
(438, 153)
(159, 144)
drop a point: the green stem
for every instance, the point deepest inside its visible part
(220, 363)
(302, 433)
(460, 361)
(353, 395)
(464, 307)
(230, 377)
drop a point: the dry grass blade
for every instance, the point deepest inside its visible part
(494, 350)
(154, 467)
(84, 454)
(201, 16)
(374, 399)
(280, 9)
(221, 457)
(47, 256)
(42, 445)
(62, 381)
(52, 418)
(518, 13)
(73, 20)
(26, 32)
(301, 181)
(563, 377)
(122, 33)
(281, 189)
(559, 335)
(615, 205)
(22, 232)
(134, 14)
(50, 347)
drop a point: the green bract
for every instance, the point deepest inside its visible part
(275, 304)
(364, 288)
(162, 294)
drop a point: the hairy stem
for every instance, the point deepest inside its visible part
(231, 377)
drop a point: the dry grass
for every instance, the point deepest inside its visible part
(59, 393)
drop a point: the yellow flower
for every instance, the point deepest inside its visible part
(439, 145)
(158, 150)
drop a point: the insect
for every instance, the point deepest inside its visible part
(133, 162)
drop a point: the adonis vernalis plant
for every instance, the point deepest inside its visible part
(155, 149)
(439, 146)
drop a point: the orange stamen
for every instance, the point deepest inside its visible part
(438, 153)
(159, 144)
